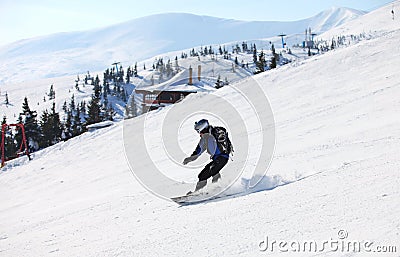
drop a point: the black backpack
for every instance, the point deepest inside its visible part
(221, 136)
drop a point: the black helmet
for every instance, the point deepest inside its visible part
(201, 126)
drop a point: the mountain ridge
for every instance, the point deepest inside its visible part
(142, 38)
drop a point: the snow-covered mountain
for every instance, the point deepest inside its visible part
(332, 18)
(76, 52)
(334, 176)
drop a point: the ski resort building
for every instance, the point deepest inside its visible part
(155, 99)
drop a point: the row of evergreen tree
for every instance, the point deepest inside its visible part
(261, 62)
(48, 129)
(259, 58)
(40, 132)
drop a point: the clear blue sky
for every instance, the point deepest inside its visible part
(21, 19)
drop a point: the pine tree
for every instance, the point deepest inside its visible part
(64, 107)
(260, 64)
(56, 124)
(111, 113)
(72, 103)
(83, 107)
(97, 88)
(7, 102)
(52, 93)
(45, 130)
(77, 127)
(128, 75)
(68, 126)
(51, 128)
(135, 71)
(244, 46)
(254, 53)
(273, 58)
(10, 147)
(32, 129)
(218, 84)
(177, 69)
(333, 44)
(94, 111)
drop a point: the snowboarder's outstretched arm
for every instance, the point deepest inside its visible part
(200, 148)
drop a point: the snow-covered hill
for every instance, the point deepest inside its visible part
(380, 20)
(76, 52)
(334, 175)
(212, 67)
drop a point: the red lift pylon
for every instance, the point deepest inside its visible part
(4, 127)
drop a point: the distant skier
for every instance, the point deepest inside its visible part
(216, 141)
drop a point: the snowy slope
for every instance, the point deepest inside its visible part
(376, 21)
(76, 52)
(335, 168)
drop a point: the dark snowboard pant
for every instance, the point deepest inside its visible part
(213, 168)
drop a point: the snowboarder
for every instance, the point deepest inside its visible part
(216, 141)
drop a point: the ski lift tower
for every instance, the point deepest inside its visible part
(117, 77)
(116, 65)
(283, 41)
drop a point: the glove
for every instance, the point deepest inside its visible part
(188, 159)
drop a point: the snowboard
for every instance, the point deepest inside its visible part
(196, 198)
